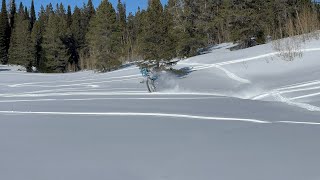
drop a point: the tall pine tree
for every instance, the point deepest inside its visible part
(104, 38)
(90, 9)
(13, 11)
(55, 52)
(154, 37)
(4, 33)
(33, 17)
(122, 20)
(69, 16)
(21, 51)
(37, 39)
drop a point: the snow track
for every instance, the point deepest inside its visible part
(278, 94)
(228, 73)
(181, 116)
(163, 115)
(101, 80)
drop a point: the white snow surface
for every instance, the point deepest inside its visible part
(238, 115)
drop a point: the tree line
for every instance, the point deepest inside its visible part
(60, 39)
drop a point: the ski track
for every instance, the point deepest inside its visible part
(111, 79)
(305, 96)
(128, 93)
(184, 116)
(228, 73)
(91, 84)
(86, 89)
(139, 114)
(115, 98)
(298, 87)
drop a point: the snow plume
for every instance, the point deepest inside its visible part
(167, 82)
(248, 92)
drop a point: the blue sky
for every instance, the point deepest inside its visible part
(132, 5)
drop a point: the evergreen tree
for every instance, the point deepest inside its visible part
(37, 39)
(219, 26)
(246, 21)
(77, 28)
(4, 33)
(33, 17)
(37, 36)
(104, 38)
(90, 9)
(71, 44)
(170, 44)
(61, 11)
(12, 14)
(55, 52)
(192, 37)
(69, 16)
(13, 11)
(21, 51)
(132, 32)
(122, 20)
(49, 10)
(26, 13)
(154, 37)
(88, 14)
(21, 8)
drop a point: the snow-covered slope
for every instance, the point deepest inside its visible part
(243, 115)
(258, 73)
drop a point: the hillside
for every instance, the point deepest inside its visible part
(242, 115)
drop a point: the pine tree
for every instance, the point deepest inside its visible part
(55, 52)
(88, 13)
(21, 8)
(26, 13)
(33, 17)
(90, 9)
(154, 35)
(4, 33)
(104, 38)
(37, 39)
(71, 44)
(13, 11)
(191, 38)
(122, 20)
(77, 29)
(69, 16)
(61, 11)
(37, 36)
(132, 32)
(222, 22)
(12, 14)
(21, 50)
(169, 49)
(49, 10)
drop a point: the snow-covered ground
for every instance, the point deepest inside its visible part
(240, 115)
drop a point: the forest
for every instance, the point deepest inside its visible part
(60, 39)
